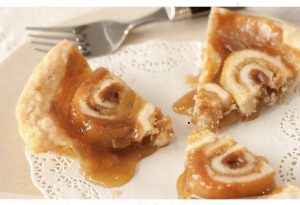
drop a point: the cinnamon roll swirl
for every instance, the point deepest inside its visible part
(110, 114)
(95, 116)
(221, 168)
(251, 75)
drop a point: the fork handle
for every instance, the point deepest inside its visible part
(158, 15)
(173, 13)
(177, 13)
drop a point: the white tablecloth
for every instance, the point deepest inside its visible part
(13, 22)
(12, 34)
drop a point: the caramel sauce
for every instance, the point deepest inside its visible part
(234, 160)
(180, 185)
(113, 168)
(185, 104)
(68, 152)
(259, 77)
(106, 166)
(191, 80)
(230, 119)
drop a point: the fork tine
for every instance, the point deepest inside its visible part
(46, 46)
(44, 50)
(53, 37)
(39, 43)
(52, 29)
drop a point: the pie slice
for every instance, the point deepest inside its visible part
(286, 191)
(249, 62)
(68, 109)
(219, 168)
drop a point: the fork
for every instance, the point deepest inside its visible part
(103, 37)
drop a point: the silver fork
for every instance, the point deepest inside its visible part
(104, 37)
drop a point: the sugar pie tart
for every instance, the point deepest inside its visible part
(219, 168)
(69, 109)
(249, 62)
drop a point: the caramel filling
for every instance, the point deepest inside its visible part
(259, 77)
(191, 80)
(234, 160)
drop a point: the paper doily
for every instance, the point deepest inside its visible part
(157, 70)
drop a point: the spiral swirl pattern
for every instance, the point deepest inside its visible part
(222, 168)
(250, 75)
(109, 113)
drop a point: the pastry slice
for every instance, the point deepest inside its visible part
(219, 168)
(69, 109)
(286, 191)
(252, 61)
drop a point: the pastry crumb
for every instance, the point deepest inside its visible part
(117, 193)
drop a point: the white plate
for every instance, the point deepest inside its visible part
(265, 135)
(157, 70)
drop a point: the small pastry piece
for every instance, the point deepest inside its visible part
(286, 191)
(95, 116)
(254, 59)
(213, 102)
(221, 168)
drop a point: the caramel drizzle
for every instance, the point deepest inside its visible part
(100, 162)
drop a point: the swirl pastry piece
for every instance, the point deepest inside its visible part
(95, 116)
(112, 115)
(212, 103)
(221, 168)
(254, 59)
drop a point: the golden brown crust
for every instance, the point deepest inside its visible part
(43, 109)
(37, 126)
(212, 60)
(242, 54)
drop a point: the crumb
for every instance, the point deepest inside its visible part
(117, 193)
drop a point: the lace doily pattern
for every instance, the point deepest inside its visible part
(59, 177)
(290, 124)
(153, 58)
(289, 167)
(153, 69)
(13, 35)
(153, 63)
